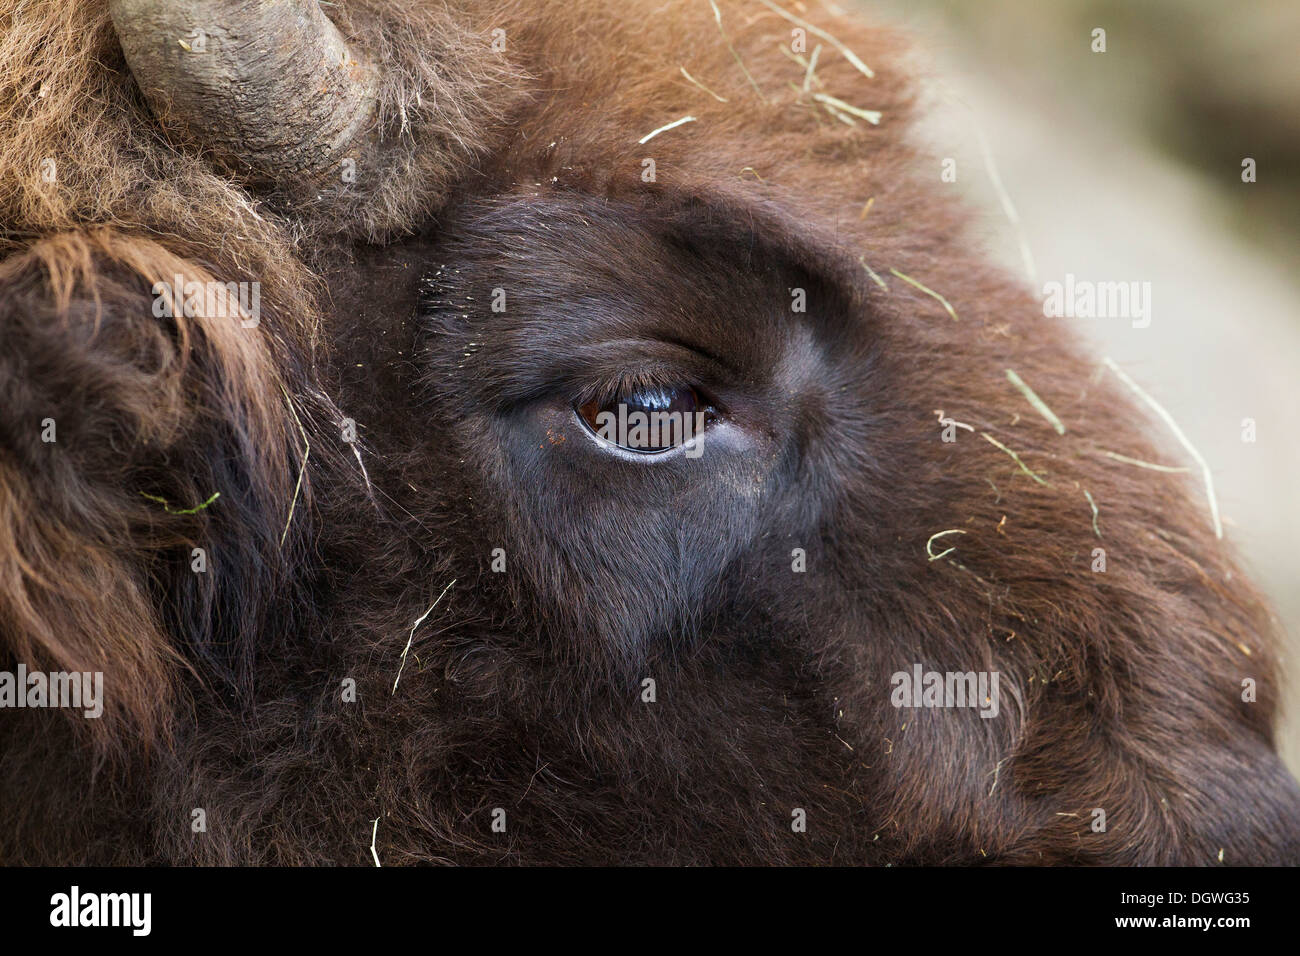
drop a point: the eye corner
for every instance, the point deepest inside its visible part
(587, 411)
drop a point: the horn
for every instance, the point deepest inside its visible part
(270, 87)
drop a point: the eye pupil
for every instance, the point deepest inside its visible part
(648, 419)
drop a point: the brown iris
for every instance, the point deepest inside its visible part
(649, 419)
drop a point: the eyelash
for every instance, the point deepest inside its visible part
(629, 382)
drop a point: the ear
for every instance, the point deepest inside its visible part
(148, 460)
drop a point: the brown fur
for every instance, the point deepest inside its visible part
(1121, 690)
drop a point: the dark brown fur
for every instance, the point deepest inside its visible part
(1121, 690)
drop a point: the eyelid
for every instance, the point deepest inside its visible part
(631, 383)
(602, 370)
(622, 382)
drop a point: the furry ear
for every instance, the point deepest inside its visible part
(150, 456)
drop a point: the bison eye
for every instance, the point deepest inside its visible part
(648, 419)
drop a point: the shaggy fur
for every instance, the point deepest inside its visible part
(521, 171)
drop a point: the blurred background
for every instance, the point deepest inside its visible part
(1127, 165)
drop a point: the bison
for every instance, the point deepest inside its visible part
(322, 328)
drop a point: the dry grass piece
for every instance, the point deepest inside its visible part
(411, 637)
(1087, 494)
(306, 454)
(840, 115)
(1040, 406)
(802, 61)
(720, 99)
(1170, 469)
(181, 511)
(834, 103)
(872, 272)
(946, 420)
(717, 15)
(663, 129)
(812, 67)
(1016, 458)
(1007, 207)
(939, 534)
(1178, 433)
(815, 31)
(928, 291)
